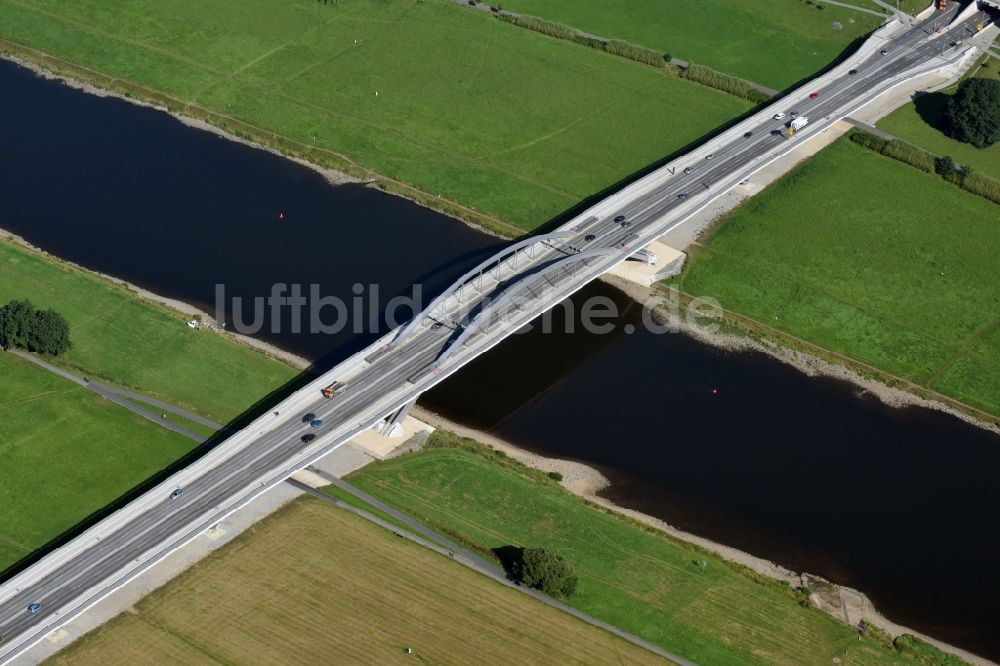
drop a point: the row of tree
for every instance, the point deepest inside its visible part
(22, 326)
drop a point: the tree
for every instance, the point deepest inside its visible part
(547, 571)
(48, 332)
(973, 113)
(24, 327)
(15, 319)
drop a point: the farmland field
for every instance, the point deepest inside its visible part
(66, 453)
(630, 576)
(118, 338)
(452, 101)
(871, 258)
(315, 584)
(775, 43)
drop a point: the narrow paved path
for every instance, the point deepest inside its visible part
(121, 397)
(467, 558)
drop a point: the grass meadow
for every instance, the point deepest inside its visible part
(124, 341)
(922, 122)
(316, 584)
(502, 120)
(871, 258)
(66, 453)
(631, 576)
(775, 43)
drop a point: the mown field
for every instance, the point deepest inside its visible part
(513, 124)
(871, 258)
(775, 43)
(922, 122)
(315, 584)
(124, 341)
(66, 452)
(631, 576)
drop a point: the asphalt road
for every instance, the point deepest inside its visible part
(382, 386)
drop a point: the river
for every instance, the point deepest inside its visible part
(738, 448)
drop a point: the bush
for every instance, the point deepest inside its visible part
(973, 113)
(24, 327)
(555, 476)
(981, 185)
(905, 152)
(637, 53)
(725, 82)
(548, 571)
(946, 168)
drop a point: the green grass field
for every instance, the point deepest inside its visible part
(921, 122)
(66, 453)
(315, 584)
(634, 577)
(122, 340)
(507, 121)
(775, 43)
(871, 258)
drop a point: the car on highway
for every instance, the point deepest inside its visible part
(34, 608)
(589, 237)
(776, 132)
(709, 156)
(315, 423)
(436, 326)
(779, 115)
(308, 437)
(688, 169)
(625, 223)
(619, 218)
(747, 135)
(177, 492)
(853, 72)
(884, 52)
(682, 195)
(308, 417)
(814, 95)
(794, 114)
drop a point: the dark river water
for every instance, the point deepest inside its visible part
(898, 503)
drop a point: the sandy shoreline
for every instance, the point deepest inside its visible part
(577, 477)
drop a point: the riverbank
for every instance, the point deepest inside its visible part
(174, 306)
(254, 137)
(841, 602)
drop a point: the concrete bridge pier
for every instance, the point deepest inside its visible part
(392, 427)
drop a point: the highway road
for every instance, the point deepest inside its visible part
(66, 584)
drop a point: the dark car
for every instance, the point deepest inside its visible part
(619, 218)
(682, 195)
(308, 437)
(814, 95)
(34, 608)
(883, 52)
(775, 132)
(589, 237)
(709, 156)
(315, 423)
(853, 72)
(688, 169)
(308, 417)
(176, 493)
(748, 135)
(436, 326)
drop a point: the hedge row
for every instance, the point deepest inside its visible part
(725, 82)
(614, 47)
(904, 152)
(963, 176)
